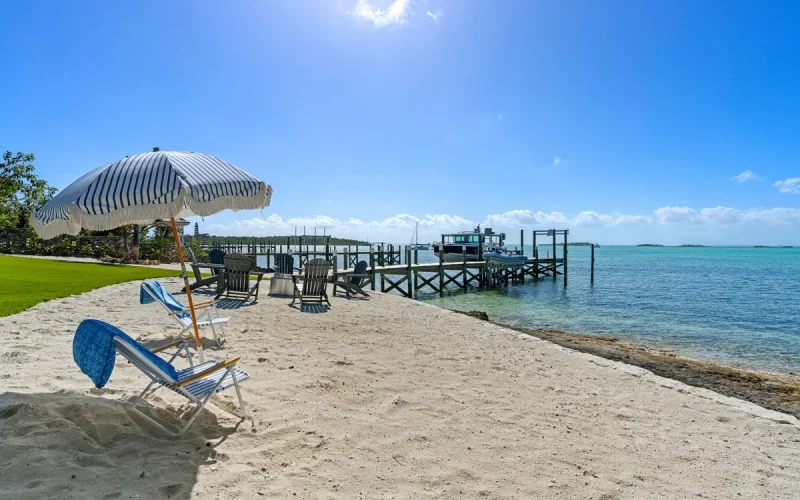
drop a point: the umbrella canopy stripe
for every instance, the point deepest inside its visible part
(144, 187)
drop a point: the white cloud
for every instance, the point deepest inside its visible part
(556, 161)
(435, 15)
(399, 228)
(726, 216)
(791, 185)
(747, 175)
(395, 13)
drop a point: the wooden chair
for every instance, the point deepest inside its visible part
(284, 264)
(315, 281)
(216, 256)
(353, 282)
(199, 280)
(235, 278)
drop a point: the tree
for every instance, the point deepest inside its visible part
(21, 191)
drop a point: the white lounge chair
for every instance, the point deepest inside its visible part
(196, 383)
(207, 315)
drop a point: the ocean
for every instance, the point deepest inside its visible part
(732, 305)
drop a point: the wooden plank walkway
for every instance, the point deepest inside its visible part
(447, 266)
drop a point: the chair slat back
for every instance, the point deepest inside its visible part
(216, 256)
(237, 272)
(315, 277)
(197, 274)
(361, 268)
(284, 263)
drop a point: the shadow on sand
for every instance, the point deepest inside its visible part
(70, 445)
(311, 308)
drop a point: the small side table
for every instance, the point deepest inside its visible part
(281, 285)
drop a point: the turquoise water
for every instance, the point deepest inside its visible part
(732, 305)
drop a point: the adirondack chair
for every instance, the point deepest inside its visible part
(352, 282)
(216, 256)
(314, 283)
(284, 264)
(235, 278)
(199, 280)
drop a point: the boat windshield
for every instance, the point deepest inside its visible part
(466, 238)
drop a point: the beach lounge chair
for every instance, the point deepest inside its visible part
(284, 264)
(199, 280)
(352, 282)
(235, 278)
(206, 312)
(94, 349)
(314, 283)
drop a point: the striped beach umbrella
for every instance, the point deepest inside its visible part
(142, 188)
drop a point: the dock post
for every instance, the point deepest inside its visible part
(483, 279)
(267, 265)
(555, 274)
(441, 270)
(535, 257)
(464, 267)
(591, 278)
(522, 251)
(416, 256)
(408, 267)
(566, 251)
(372, 268)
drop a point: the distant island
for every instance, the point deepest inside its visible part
(649, 245)
(693, 246)
(582, 244)
(770, 246)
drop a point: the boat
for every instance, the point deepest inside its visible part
(505, 258)
(455, 247)
(415, 244)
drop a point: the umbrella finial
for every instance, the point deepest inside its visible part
(156, 149)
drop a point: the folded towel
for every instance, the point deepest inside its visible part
(162, 296)
(94, 351)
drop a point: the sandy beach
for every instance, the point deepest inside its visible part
(378, 398)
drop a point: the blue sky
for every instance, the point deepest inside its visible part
(624, 121)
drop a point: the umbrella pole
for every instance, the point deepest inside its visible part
(188, 290)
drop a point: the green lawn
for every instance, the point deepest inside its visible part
(26, 282)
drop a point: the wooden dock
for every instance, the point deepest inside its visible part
(396, 268)
(407, 279)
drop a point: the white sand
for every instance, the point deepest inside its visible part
(385, 398)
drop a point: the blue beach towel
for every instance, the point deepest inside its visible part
(94, 351)
(163, 296)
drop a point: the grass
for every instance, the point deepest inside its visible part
(27, 282)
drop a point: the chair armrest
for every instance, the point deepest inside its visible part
(197, 376)
(167, 346)
(202, 305)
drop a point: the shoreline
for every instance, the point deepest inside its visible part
(774, 391)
